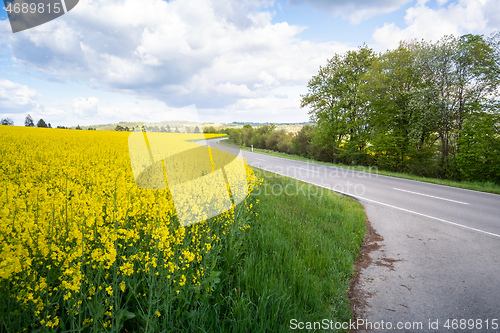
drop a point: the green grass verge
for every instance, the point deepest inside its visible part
(294, 262)
(488, 187)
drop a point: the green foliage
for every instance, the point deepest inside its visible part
(7, 121)
(28, 121)
(209, 129)
(265, 137)
(390, 87)
(302, 143)
(234, 135)
(120, 128)
(413, 110)
(280, 141)
(295, 261)
(406, 109)
(479, 156)
(41, 123)
(336, 104)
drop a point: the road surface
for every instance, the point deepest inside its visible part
(438, 265)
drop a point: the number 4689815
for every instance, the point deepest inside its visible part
(471, 324)
(32, 8)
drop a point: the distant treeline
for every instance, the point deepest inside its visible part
(265, 123)
(429, 109)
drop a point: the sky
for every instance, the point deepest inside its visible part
(217, 61)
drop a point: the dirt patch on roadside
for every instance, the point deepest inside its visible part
(387, 262)
(357, 296)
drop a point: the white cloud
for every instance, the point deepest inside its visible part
(205, 52)
(16, 98)
(356, 11)
(422, 21)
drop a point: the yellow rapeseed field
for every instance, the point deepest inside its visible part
(82, 247)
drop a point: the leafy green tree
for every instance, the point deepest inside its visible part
(460, 76)
(336, 104)
(168, 129)
(28, 121)
(234, 135)
(41, 123)
(391, 85)
(209, 129)
(303, 142)
(197, 129)
(275, 138)
(248, 133)
(7, 121)
(260, 135)
(479, 156)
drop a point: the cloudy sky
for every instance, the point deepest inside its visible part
(222, 60)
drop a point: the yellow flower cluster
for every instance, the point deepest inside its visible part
(76, 230)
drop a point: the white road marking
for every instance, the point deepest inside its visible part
(260, 159)
(416, 213)
(402, 209)
(430, 196)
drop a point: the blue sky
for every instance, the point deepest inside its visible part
(246, 60)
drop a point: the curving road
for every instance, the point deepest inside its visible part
(438, 266)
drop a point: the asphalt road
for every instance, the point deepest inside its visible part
(439, 260)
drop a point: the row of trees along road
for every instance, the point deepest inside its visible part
(430, 109)
(425, 108)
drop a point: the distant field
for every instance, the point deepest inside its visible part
(291, 128)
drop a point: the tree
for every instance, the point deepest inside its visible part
(302, 143)
(479, 156)
(260, 135)
(336, 104)
(279, 140)
(209, 129)
(28, 121)
(78, 127)
(197, 129)
(248, 132)
(391, 85)
(460, 78)
(235, 135)
(41, 123)
(7, 121)
(168, 129)
(176, 130)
